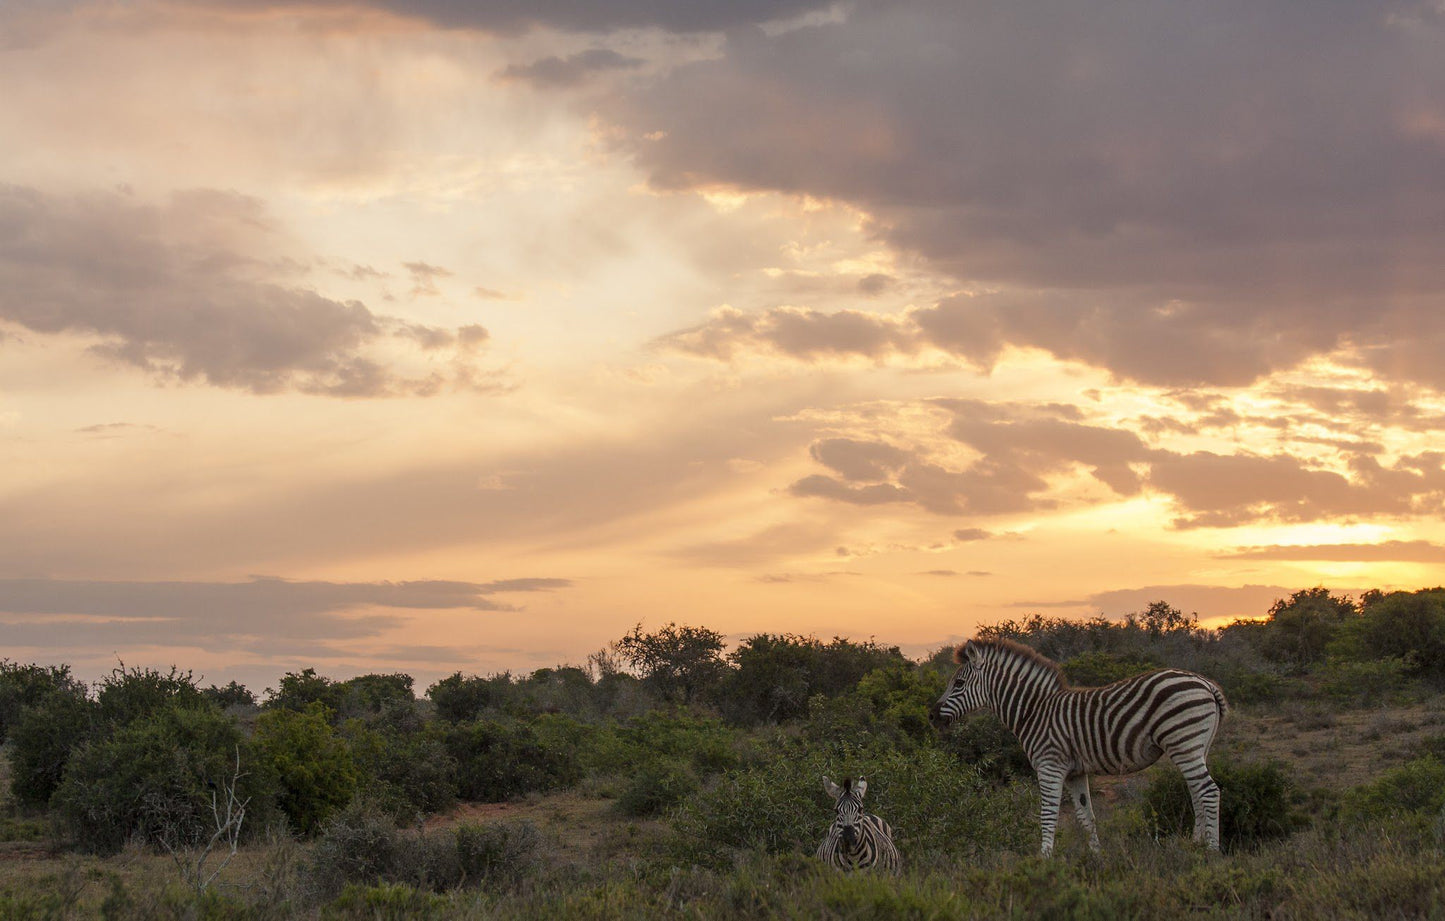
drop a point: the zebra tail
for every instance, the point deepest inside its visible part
(1219, 700)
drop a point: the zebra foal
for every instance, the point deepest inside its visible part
(856, 840)
(1069, 733)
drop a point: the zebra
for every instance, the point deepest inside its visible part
(1069, 733)
(857, 840)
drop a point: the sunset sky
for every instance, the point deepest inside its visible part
(426, 335)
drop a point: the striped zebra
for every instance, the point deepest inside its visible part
(857, 840)
(1069, 733)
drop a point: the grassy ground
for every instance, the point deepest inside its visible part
(595, 863)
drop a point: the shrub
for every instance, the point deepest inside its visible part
(497, 760)
(1363, 683)
(933, 803)
(153, 779)
(679, 664)
(130, 694)
(1416, 787)
(311, 768)
(1409, 626)
(986, 745)
(504, 853)
(1257, 803)
(710, 745)
(42, 741)
(299, 690)
(24, 686)
(775, 676)
(359, 844)
(1096, 669)
(371, 694)
(409, 772)
(234, 694)
(460, 698)
(384, 902)
(656, 787)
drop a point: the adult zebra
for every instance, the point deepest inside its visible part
(1069, 733)
(857, 840)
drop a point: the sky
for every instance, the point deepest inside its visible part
(432, 336)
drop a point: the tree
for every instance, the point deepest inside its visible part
(677, 662)
(24, 686)
(42, 741)
(312, 770)
(1409, 626)
(1301, 627)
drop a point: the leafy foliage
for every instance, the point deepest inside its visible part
(775, 675)
(1258, 802)
(676, 662)
(151, 778)
(498, 760)
(27, 685)
(43, 740)
(310, 766)
(130, 694)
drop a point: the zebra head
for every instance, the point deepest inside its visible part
(966, 692)
(848, 807)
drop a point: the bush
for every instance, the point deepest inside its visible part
(933, 803)
(656, 787)
(1409, 626)
(986, 745)
(234, 694)
(775, 676)
(311, 768)
(153, 779)
(1257, 803)
(1416, 787)
(130, 694)
(708, 744)
(460, 698)
(1363, 683)
(42, 740)
(408, 772)
(299, 690)
(361, 846)
(497, 761)
(1096, 669)
(24, 686)
(384, 902)
(497, 853)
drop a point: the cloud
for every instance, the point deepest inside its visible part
(1019, 447)
(573, 70)
(1399, 551)
(1042, 152)
(800, 333)
(201, 290)
(513, 16)
(226, 615)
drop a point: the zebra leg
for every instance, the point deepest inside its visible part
(1078, 791)
(1051, 790)
(1204, 795)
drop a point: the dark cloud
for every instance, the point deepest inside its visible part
(573, 70)
(424, 278)
(226, 615)
(1179, 194)
(1400, 551)
(197, 290)
(971, 534)
(796, 332)
(511, 16)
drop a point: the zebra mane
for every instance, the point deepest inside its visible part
(1018, 651)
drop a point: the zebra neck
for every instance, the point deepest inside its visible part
(1017, 701)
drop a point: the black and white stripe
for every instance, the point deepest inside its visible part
(857, 840)
(1069, 733)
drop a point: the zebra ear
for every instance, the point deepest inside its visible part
(862, 787)
(968, 652)
(831, 788)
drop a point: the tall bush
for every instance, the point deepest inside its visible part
(310, 767)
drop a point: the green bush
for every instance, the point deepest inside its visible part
(130, 694)
(1416, 787)
(985, 744)
(299, 690)
(1096, 669)
(460, 698)
(384, 902)
(933, 803)
(1409, 626)
(497, 761)
(1365, 683)
(42, 740)
(775, 675)
(233, 694)
(1258, 803)
(154, 779)
(359, 844)
(409, 772)
(708, 744)
(311, 769)
(24, 686)
(501, 853)
(656, 787)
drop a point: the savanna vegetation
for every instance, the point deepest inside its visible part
(672, 776)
